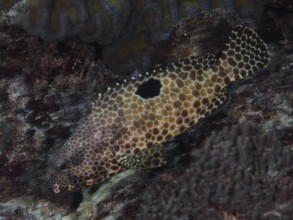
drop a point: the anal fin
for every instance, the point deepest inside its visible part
(220, 100)
(147, 158)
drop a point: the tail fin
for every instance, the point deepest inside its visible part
(244, 54)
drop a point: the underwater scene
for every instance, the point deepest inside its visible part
(167, 109)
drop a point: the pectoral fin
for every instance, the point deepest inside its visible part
(147, 158)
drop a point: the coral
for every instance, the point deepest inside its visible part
(281, 13)
(191, 34)
(90, 207)
(41, 99)
(6, 4)
(240, 171)
(24, 208)
(130, 31)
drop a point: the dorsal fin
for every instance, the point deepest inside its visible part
(204, 62)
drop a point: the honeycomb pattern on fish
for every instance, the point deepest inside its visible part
(127, 127)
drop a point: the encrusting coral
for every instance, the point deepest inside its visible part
(241, 171)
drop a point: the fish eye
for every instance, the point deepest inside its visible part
(63, 166)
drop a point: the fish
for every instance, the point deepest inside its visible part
(129, 124)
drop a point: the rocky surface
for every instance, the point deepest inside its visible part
(46, 88)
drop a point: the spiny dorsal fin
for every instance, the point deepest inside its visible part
(147, 158)
(244, 54)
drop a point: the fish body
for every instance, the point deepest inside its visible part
(129, 124)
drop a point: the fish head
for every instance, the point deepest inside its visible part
(60, 174)
(59, 179)
(70, 171)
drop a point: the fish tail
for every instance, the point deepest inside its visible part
(244, 55)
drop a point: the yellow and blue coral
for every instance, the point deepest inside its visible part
(129, 30)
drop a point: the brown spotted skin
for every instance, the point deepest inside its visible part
(124, 123)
